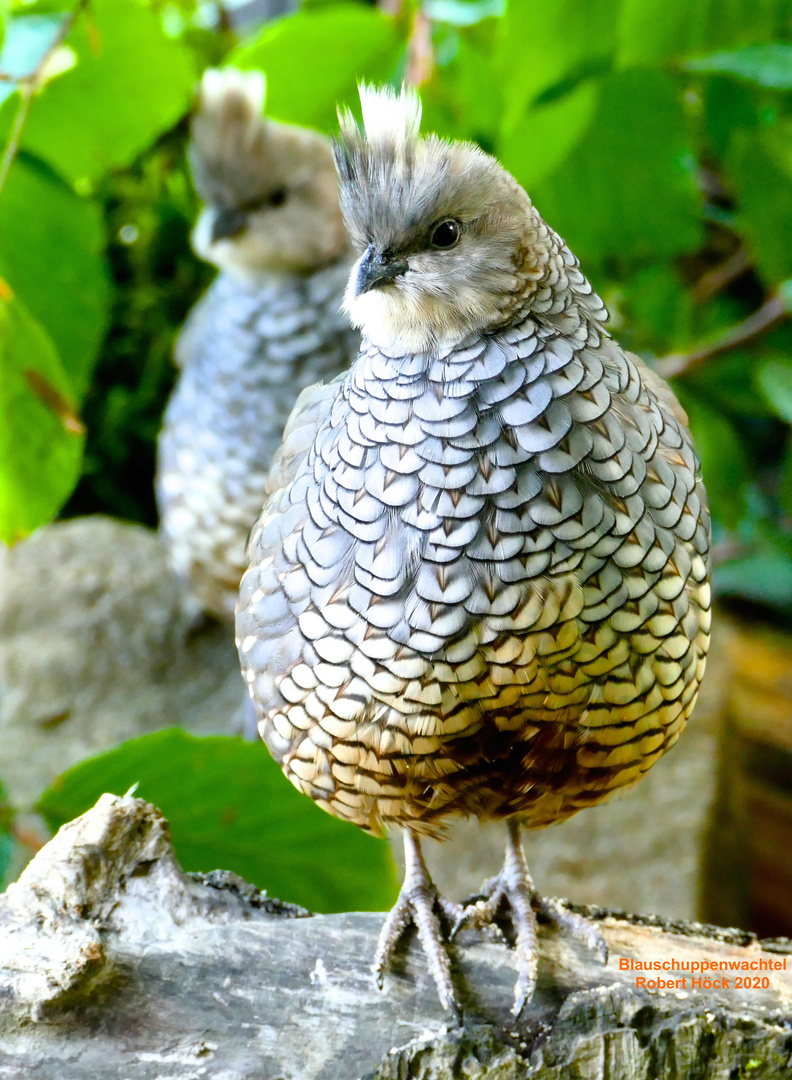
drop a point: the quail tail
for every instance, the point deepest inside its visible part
(419, 903)
(514, 887)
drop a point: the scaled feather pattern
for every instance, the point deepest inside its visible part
(481, 586)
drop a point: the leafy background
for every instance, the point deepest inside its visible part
(654, 135)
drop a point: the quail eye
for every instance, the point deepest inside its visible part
(445, 234)
(277, 197)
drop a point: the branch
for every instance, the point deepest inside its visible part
(420, 51)
(717, 279)
(773, 311)
(28, 85)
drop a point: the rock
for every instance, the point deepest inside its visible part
(178, 976)
(96, 647)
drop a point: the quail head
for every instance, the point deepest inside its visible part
(480, 582)
(269, 325)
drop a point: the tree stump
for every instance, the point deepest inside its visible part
(115, 963)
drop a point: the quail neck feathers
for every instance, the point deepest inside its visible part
(268, 326)
(480, 582)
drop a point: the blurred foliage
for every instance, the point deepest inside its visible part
(229, 806)
(7, 841)
(654, 135)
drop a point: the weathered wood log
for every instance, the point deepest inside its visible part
(115, 963)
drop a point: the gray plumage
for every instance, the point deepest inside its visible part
(268, 326)
(484, 587)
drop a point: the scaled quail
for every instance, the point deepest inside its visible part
(269, 326)
(480, 582)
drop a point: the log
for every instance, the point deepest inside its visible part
(115, 963)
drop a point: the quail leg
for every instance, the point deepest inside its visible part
(416, 904)
(514, 887)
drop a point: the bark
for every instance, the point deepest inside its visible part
(115, 963)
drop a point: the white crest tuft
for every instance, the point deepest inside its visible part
(218, 84)
(388, 118)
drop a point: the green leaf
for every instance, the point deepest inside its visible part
(539, 142)
(764, 578)
(768, 65)
(722, 456)
(129, 84)
(659, 309)
(626, 189)
(729, 384)
(230, 807)
(764, 204)
(52, 255)
(728, 106)
(774, 378)
(542, 43)
(654, 30)
(462, 100)
(785, 484)
(7, 841)
(40, 439)
(314, 59)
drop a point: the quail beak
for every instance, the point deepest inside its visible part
(227, 224)
(376, 269)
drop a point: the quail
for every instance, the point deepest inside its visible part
(268, 326)
(479, 584)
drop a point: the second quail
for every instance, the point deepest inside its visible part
(269, 325)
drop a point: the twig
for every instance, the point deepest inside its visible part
(27, 836)
(28, 85)
(716, 279)
(420, 53)
(772, 311)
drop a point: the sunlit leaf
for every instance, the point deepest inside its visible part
(314, 59)
(652, 30)
(626, 188)
(764, 578)
(542, 43)
(52, 253)
(26, 41)
(542, 138)
(230, 807)
(463, 12)
(130, 83)
(774, 378)
(767, 65)
(40, 452)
